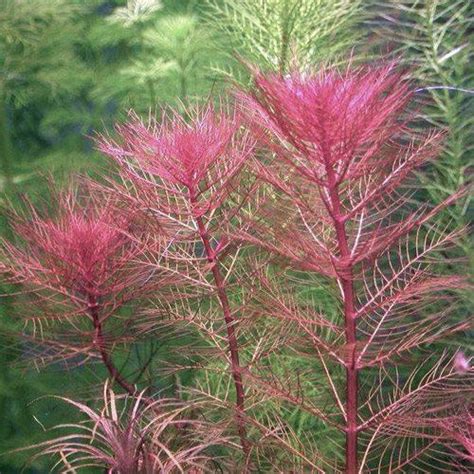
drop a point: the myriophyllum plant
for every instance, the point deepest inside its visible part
(131, 435)
(77, 268)
(340, 155)
(323, 188)
(186, 173)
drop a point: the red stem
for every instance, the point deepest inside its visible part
(99, 341)
(346, 281)
(230, 327)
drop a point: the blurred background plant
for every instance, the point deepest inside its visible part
(435, 39)
(40, 74)
(277, 33)
(164, 56)
(69, 68)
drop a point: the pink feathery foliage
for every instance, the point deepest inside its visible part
(346, 130)
(337, 203)
(129, 436)
(288, 235)
(187, 173)
(193, 163)
(83, 250)
(460, 429)
(77, 266)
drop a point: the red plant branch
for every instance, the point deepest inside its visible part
(345, 278)
(230, 328)
(79, 266)
(184, 171)
(336, 163)
(101, 345)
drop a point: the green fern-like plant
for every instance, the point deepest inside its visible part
(184, 44)
(38, 64)
(135, 11)
(164, 58)
(273, 32)
(435, 36)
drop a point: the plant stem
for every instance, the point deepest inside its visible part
(346, 281)
(230, 327)
(152, 93)
(286, 14)
(100, 343)
(183, 86)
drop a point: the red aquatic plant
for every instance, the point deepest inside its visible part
(186, 172)
(290, 235)
(77, 268)
(340, 152)
(130, 435)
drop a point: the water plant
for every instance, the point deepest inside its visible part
(222, 219)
